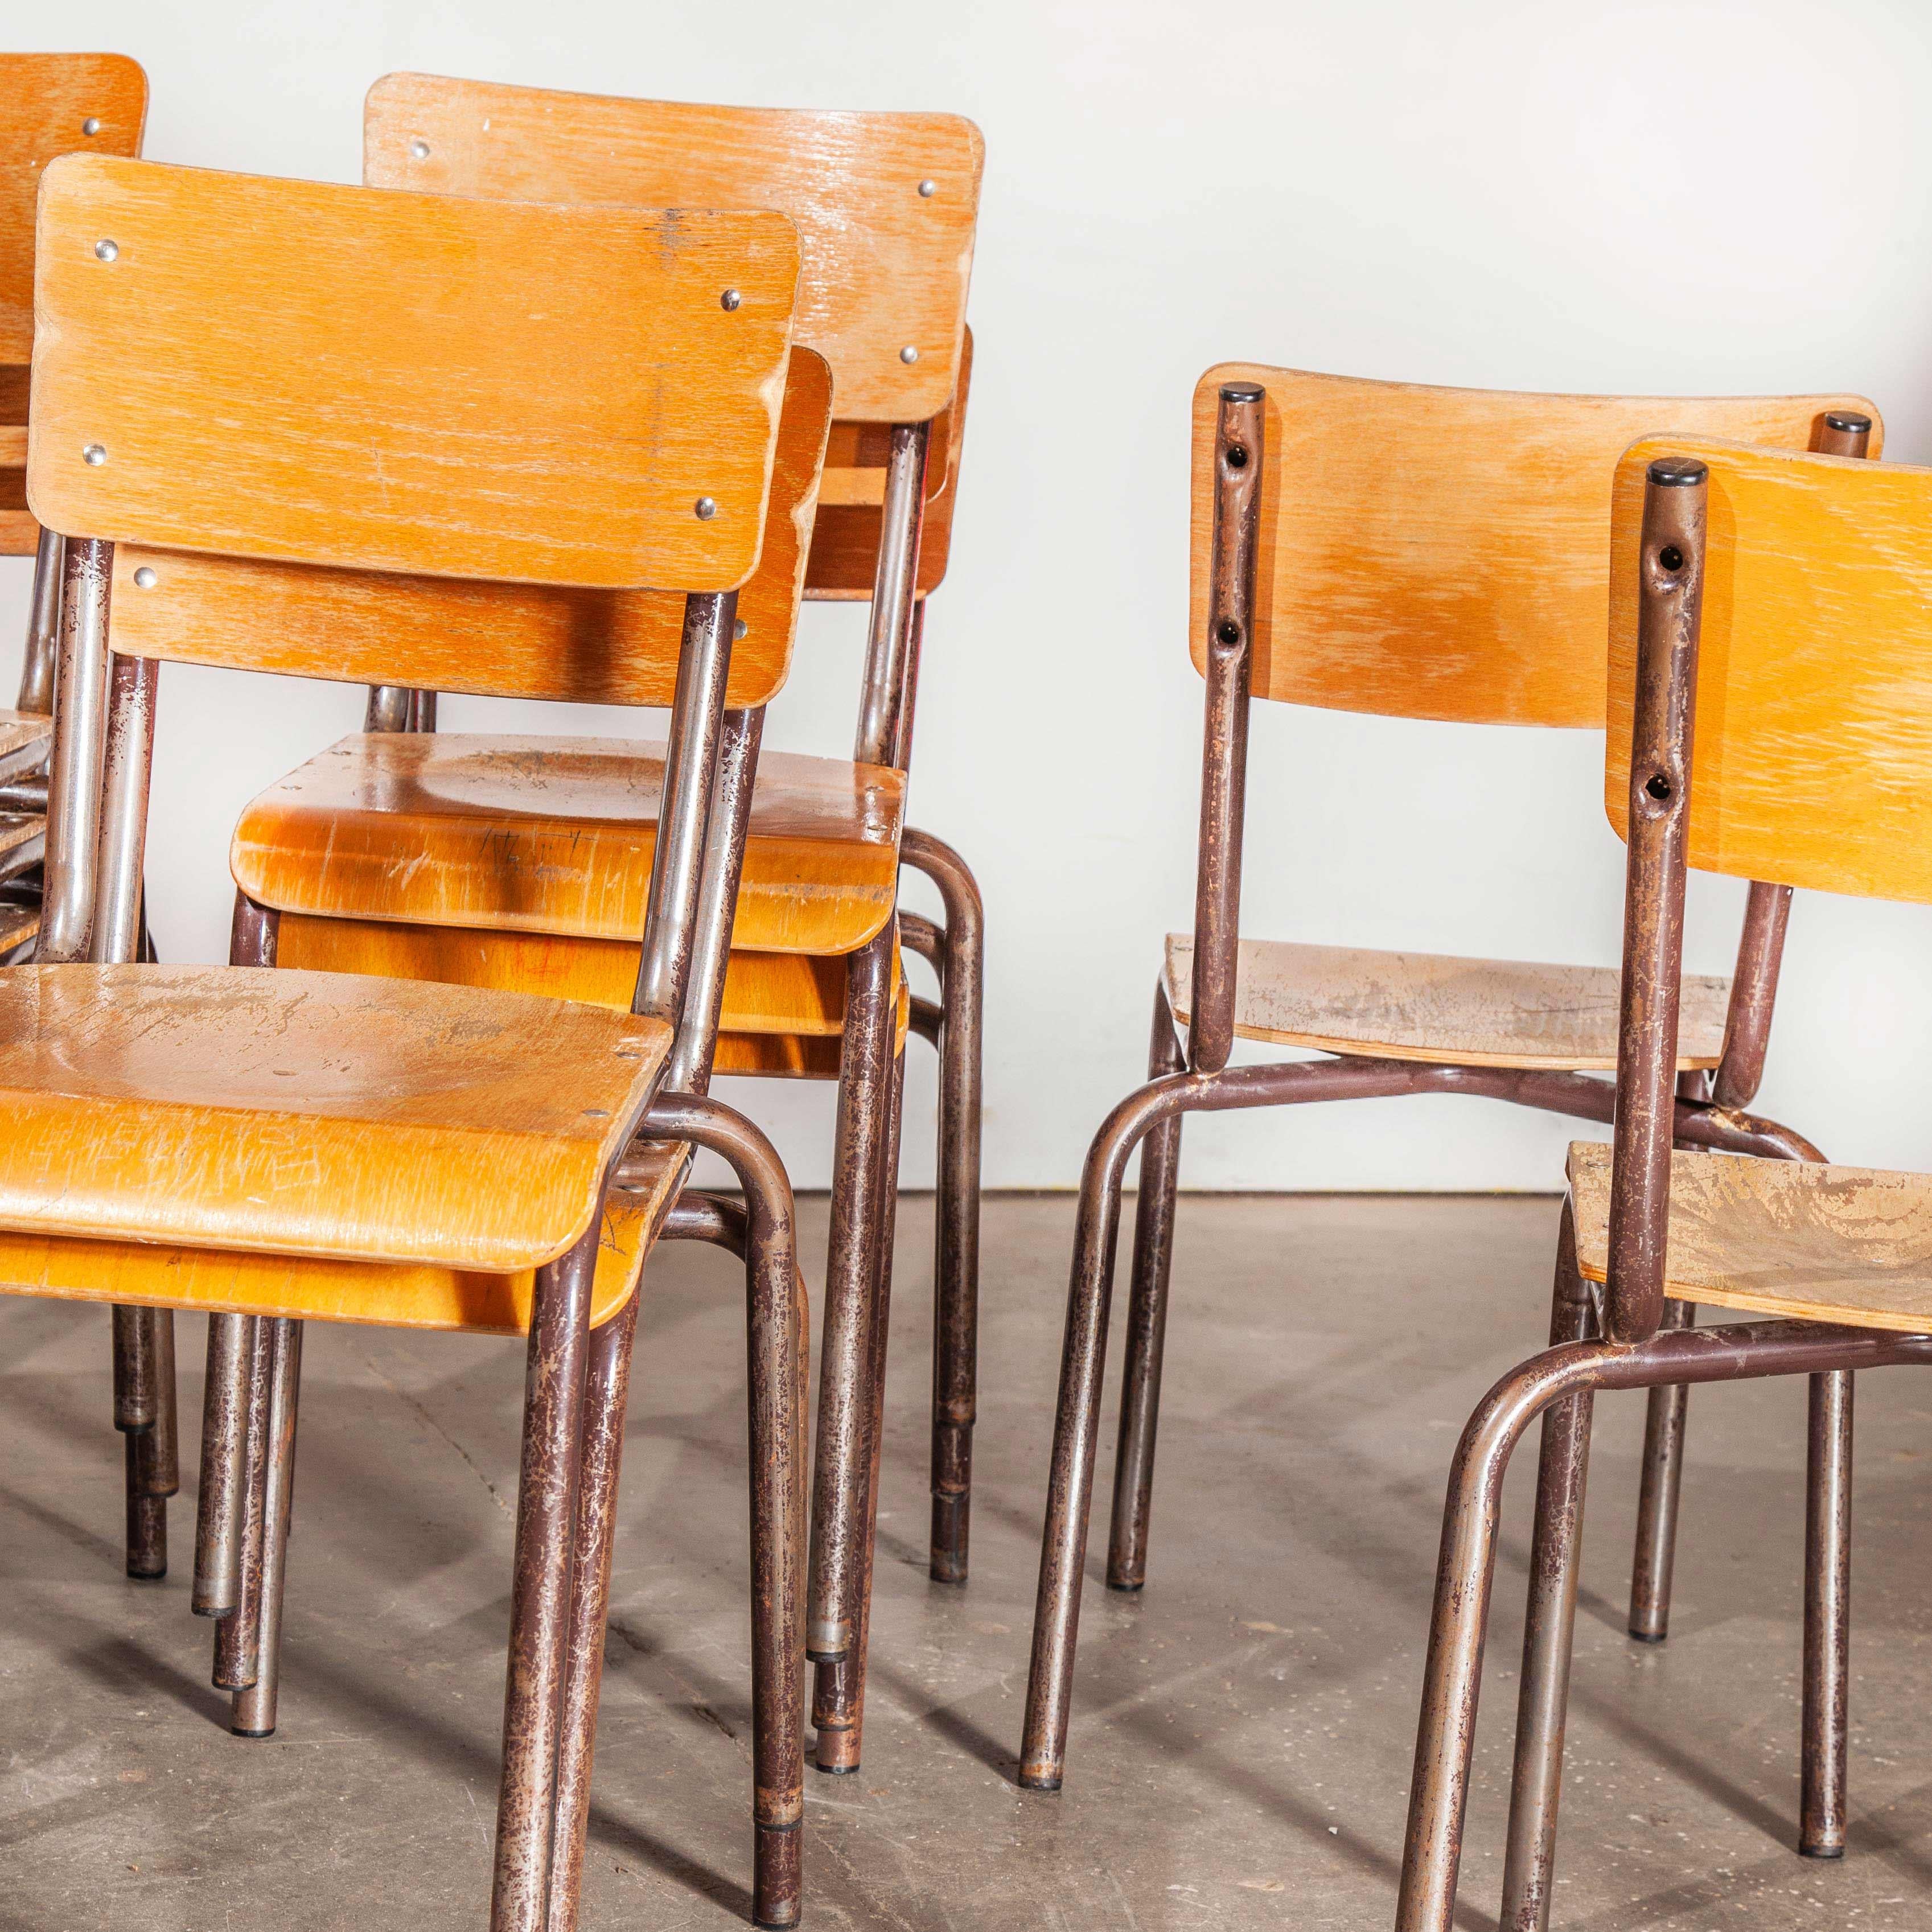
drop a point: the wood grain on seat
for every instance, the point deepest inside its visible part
(885, 268)
(310, 1113)
(308, 1288)
(1436, 1007)
(1430, 553)
(1822, 1244)
(413, 382)
(555, 835)
(20, 729)
(510, 640)
(1812, 755)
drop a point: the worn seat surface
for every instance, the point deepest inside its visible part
(1438, 1008)
(1818, 1243)
(310, 1113)
(20, 729)
(555, 835)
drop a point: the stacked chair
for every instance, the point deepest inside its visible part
(521, 862)
(1422, 553)
(1772, 616)
(266, 415)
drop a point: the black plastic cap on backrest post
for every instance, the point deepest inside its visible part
(1241, 392)
(1677, 472)
(1849, 421)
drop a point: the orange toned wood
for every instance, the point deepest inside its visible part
(46, 102)
(20, 828)
(885, 267)
(311, 1113)
(20, 729)
(18, 924)
(845, 539)
(410, 382)
(556, 836)
(788, 1056)
(308, 1289)
(1435, 1007)
(766, 994)
(1795, 1238)
(1812, 762)
(1445, 552)
(514, 640)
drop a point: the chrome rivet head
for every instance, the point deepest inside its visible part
(95, 455)
(91, 125)
(419, 149)
(928, 189)
(738, 631)
(908, 354)
(706, 508)
(730, 299)
(596, 1113)
(106, 250)
(144, 578)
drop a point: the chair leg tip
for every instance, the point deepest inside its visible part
(236, 1731)
(1040, 1780)
(1821, 1851)
(1648, 1637)
(1126, 1586)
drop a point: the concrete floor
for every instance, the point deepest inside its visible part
(1242, 1731)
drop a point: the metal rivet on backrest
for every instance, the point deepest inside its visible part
(90, 126)
(908, 354)
(928, 189)
(144, 578)
(419, 148)
(106, 250)
(706, 507)
(730, 299)
(95, 455)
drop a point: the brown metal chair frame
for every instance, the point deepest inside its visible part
(1622, 1336)
(577, 1378)
(1199, 1079)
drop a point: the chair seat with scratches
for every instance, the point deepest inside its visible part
(1418, 553)
(541, 397)
(516, 862)
(1770, 620)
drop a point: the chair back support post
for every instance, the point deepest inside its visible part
(37, 667)
(1670, 590)
(690, 782)
(388, 709)
(74, 783)
(1768, 909)
(1238, 452)
(887, 695)
(115, 936)
(688, 1068)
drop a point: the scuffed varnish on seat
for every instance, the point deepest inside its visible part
(1821, 1243)
(526, 834)
(464, 1301)
(310, 1113)
(1441, 1009)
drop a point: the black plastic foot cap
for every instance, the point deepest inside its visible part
(1821, 1851)
(236, 1731)
(1126, 1589)
(1647, 1637)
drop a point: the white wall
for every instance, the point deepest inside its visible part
(1728, 196)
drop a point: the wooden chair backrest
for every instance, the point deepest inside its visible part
(1444, 553)
(50, 104)
(286, 373)
(1811, 748)
(885, 266)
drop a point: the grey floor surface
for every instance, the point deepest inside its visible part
(1242, 1731)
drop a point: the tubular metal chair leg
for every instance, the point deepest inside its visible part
(1556, 1558)
(1827, 1583)
(547, 1508)
(253, 1715)
(237, 1635)
(838, 1481)
(840, 1744)
(1146, 1321)
(221, 1498)
(1657, 1502)
(956, 1279)
(779, 1326)
(144, 1413)
(606, 1391)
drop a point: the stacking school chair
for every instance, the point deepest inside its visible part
(519, 861)
(238, 383)
(50, 104)
(1423, 553)
(1770, 621)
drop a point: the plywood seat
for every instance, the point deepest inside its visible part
(1438, 1008)
(555, 835)
(1823, 1244)
(311, 1115)
(20, 729)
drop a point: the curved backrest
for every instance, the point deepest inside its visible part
(1429, 552)
(328, 375)
(50, 104)
(886, 204)
(1811, 758)
(506, 640)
